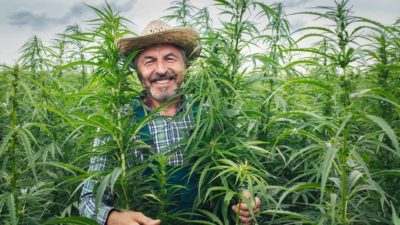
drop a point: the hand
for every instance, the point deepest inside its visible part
(244, 211)
(130, 218)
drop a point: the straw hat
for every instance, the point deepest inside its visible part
(159, 32)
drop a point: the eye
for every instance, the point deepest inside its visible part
(170, 59)
(148, 62)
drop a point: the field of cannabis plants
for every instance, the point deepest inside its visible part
(308, 120)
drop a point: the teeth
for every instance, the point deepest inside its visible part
(162, 81)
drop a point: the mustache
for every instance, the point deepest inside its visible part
(163, 76)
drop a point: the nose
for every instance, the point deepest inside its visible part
(161, 68)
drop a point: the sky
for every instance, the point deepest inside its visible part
(20, 20)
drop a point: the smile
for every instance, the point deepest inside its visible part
(162, 81)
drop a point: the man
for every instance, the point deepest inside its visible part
(161, 65)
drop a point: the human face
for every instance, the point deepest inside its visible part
(162, 68)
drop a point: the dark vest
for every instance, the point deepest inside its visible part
(184, 197)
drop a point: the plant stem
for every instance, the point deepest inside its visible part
(163, 187)
(240, 9)
(14, 121)
(343, 169)
(344, 152)
(123, 180)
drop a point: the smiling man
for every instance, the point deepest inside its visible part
(161, 64)
(162, 68)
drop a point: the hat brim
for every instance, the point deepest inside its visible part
(186, 38)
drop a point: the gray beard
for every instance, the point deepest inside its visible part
(164, 94)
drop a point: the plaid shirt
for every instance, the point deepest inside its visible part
(165, 131)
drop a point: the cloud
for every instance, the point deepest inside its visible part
(295, 3)
(297, 24)
(122, 6)
(41, 20)
(33, 19)
(77, 10)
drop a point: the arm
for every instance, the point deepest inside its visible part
(106, 213)
(87, 206)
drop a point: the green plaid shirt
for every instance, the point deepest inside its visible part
(165, 131)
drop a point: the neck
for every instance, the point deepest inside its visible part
(169, 108)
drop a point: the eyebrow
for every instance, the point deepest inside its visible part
(148, 57)
(169, 55)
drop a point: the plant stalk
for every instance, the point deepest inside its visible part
(14, 122)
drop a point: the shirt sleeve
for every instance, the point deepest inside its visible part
(87, 206)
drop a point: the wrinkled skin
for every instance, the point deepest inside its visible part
(162, 68)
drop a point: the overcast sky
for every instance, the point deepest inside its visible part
(20, 20)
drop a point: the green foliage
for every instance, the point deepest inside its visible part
(312, 130)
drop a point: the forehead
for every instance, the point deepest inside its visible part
(160, 50)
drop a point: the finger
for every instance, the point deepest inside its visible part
(245, 211)
(248, 213)
(258, 202)
(149, 221)
(235, 208)
(245, 220)
(155, 222)
(144, 220)
(243, 206)
(255, 203)
(246, 194)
